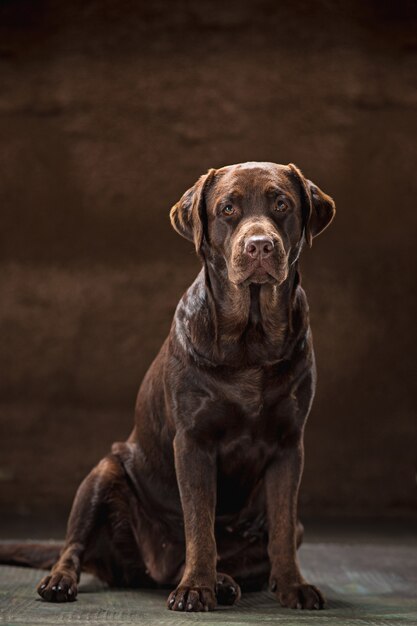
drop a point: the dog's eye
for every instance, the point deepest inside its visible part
(228, 210)
(281, 206)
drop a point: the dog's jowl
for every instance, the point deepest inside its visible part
(203, 494)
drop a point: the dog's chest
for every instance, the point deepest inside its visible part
(242, 416)
(254, 411)
(245, 390)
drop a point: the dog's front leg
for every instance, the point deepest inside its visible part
(282, 484)
(196, 475)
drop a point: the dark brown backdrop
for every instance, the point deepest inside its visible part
(108, 112)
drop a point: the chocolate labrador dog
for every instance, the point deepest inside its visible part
(203, 494)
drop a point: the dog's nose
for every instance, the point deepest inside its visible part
(259, 246)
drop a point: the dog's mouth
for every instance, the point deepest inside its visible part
(260, 273)
(259, 276)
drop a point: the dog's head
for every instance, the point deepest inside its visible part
(251, 219)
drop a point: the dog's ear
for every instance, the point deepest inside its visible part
(189, 214)
(322, 213)
(318, 208)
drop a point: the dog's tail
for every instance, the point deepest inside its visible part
(25, 554)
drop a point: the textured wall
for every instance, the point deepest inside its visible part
(108, 112)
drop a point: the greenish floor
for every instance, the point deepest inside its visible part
(365, 584)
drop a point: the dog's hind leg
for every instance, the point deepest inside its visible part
(29, 554)
(86, 517)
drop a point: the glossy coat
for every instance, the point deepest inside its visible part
(203, 494)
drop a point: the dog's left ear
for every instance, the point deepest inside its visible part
(319, 209)
(189, 214)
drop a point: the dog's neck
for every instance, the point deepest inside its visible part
(242, 324)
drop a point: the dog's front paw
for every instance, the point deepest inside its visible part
(58, 587)
(192, 598)
(299, 596)
(227, 590)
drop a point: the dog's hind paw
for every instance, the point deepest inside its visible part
(227, 590)
(58, 587)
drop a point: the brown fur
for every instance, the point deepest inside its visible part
(208, 480)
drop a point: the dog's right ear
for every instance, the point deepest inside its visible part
(189, 214)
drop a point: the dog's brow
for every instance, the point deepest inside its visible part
(273, 191)
(235, 193)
